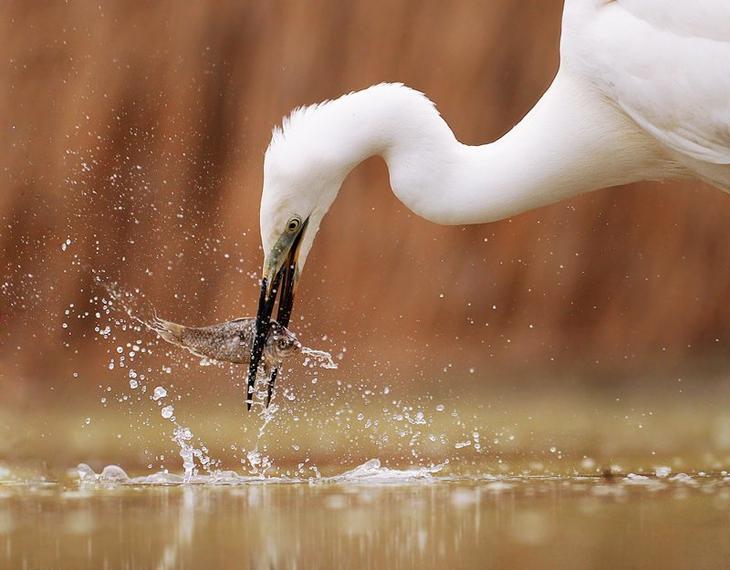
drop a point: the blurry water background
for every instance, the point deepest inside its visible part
(589, 334)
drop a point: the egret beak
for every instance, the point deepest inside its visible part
(280, 276)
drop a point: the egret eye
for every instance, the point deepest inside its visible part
(293, 225)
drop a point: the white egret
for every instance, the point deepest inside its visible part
(643, 92)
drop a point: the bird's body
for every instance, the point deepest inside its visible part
(663, 64)
(643, 92)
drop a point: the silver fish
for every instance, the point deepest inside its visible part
(230, 341)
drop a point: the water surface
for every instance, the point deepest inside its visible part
(371, 518)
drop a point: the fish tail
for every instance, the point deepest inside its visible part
(169, 331)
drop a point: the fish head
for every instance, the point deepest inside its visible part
(281, 343)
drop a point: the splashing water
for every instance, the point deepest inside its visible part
(373, 472)
(259, 462)
(183, 436)
(255, 460)
(123, 299)
(322, 357)
(413, 427)
(370, 472)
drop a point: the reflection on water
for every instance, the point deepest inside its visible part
(635, 521)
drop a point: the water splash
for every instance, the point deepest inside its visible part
(259, 462)
(321, 357)
(370, 472)
(413, 425)
(125, 300)
(256, 461)
(183, 436)
(373, 472)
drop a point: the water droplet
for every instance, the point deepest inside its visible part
(159, 393)
(663, 472)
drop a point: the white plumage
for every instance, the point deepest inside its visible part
(665, 63)
(643, 92)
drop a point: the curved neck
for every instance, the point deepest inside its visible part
(571, 142)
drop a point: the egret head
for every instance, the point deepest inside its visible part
(295, 198)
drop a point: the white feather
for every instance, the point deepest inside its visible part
(666, 63)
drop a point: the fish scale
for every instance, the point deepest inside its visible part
(230, 341)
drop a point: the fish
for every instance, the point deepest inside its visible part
(230, 341)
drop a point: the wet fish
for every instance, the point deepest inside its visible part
(230, 341)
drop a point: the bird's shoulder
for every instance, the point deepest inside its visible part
(663, 62)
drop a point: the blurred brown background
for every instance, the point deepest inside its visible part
(136, 130)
